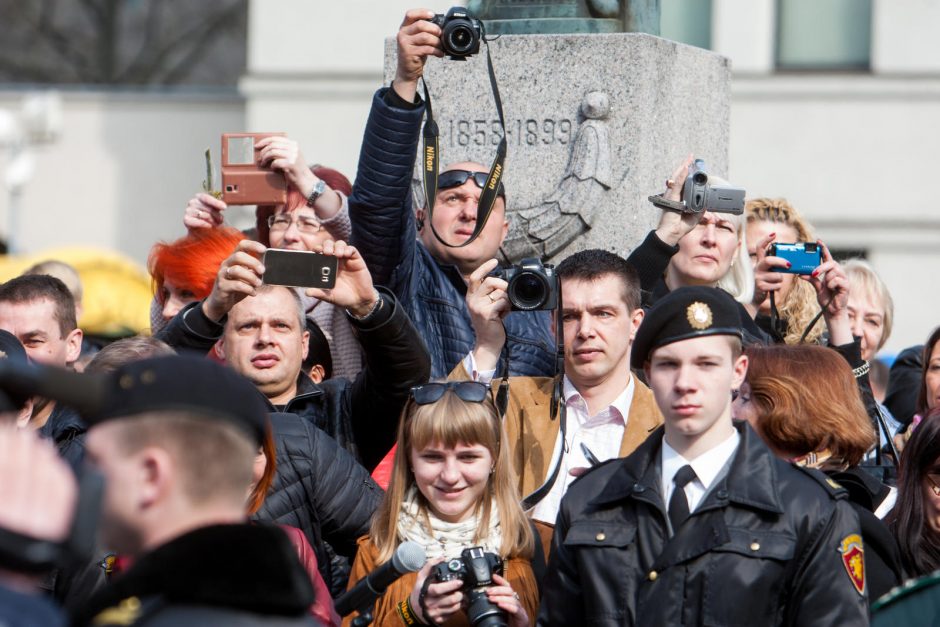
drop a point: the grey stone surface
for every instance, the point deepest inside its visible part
(518, 17)
(596, 123)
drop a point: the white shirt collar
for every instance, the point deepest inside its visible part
(621, 403)
(706, 466)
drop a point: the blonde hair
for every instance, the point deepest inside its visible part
(448, 422)
(863, 278)
(739, 279)
(801, 305)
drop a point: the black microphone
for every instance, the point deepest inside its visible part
(409, 557)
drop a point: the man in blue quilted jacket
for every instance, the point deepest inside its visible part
(428, 277)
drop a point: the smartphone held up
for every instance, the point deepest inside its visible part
(299, 268)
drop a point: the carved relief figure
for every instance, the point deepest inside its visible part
(568, 211)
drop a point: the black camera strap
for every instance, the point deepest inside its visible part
(432, 151)
(558, 409)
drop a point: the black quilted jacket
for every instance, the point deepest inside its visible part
(323, 491)
(361, 415)
(383, 230)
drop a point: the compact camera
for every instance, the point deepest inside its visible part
(461, 33)
(475, 567)
(703, 192)
(804, 257)
(244, 180)
(532, 285)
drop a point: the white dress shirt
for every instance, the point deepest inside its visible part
(602, 433)
(707, 466)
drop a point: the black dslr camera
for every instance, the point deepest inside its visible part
(461, 33)
(532, 285)
(475, 567)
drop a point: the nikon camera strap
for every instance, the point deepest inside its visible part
(432, 157)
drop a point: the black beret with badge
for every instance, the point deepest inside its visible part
(193, 385)
(682, 314)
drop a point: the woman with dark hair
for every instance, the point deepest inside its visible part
(451, 489)
(929, 396)
(803, 402)
(915, 519)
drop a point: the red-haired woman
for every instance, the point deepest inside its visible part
(803, 402)
(184, 270)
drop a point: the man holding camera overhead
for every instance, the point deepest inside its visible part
(429, 275)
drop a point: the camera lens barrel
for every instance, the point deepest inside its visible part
(528, 291)
(483, 613)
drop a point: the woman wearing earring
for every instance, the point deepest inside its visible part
(451, 489)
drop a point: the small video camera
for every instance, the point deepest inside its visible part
(533, 286)
(475, 567)
(804, 257)
(703, 192)
(461, 33)
(299, 268)
(244, 180)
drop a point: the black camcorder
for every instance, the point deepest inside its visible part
(533, 285)
(703, 192)
(461, 33)
(475, 567)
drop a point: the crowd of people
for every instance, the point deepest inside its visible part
(692, 436)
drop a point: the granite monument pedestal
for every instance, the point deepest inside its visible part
(595, 124)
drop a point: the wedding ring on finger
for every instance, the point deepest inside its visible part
(492, 299)
(228, 272)
(516, 595)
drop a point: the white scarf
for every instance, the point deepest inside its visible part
(445, 539)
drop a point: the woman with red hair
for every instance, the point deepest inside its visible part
(184, 270)
(803, 402)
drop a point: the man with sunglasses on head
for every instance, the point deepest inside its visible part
(606, 409)
(428, 276)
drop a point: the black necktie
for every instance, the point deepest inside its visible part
(678, 504)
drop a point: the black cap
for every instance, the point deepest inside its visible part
(11, 348)
(193, 385)
(685, 313)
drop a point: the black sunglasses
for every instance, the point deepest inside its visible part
(456, 178)
(467, 391)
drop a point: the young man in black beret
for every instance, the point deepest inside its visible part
(176, 440)
(702, 524)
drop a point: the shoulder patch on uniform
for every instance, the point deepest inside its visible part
(124, 613)
(853, 558)
(832, 487)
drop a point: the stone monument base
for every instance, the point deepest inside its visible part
(595, 124)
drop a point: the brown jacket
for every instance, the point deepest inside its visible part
(532, 433)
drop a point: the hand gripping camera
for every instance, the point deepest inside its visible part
(461, 33)
(532, 285)
(475, 567)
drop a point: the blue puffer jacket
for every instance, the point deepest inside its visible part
(383, 229)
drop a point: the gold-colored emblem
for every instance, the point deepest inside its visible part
(699, 315)
(125, 613)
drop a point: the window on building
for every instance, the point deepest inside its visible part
(688, 21)
(823, 34)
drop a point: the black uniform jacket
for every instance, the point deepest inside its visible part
(217, 575)
(762, 548)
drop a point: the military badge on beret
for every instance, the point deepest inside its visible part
(853, 558)
(699, 315)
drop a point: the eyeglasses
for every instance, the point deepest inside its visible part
(305, 224)
(467, 391)
(456, 178)
(933, 485)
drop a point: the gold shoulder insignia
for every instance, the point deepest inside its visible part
(835, 484)
(853, 558)
(124, 613)
(699, 315)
